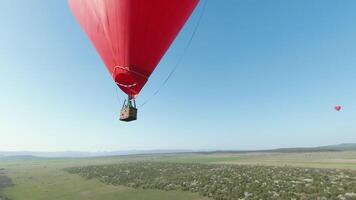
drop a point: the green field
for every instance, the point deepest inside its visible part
(333, 160)
(43, 179)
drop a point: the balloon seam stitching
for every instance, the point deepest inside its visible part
(129, 70)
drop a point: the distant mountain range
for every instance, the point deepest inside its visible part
(78, 154)
(328, 148)
(339, 147)
(82, 154)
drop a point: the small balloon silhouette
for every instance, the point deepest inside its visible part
(337, 108)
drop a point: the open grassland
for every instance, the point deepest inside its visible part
(43, 179)
(333, 160)
(46, 180)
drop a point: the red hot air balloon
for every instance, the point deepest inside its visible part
(131, 36)
(337, 108)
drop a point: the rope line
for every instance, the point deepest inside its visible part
(181, 57)
(118, 96)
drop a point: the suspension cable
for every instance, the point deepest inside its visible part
(181, 57)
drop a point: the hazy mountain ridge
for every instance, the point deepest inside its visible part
(338, 147)
(327, 148)
(82, 154)
(79, 154)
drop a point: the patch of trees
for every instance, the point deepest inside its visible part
(4, 182)
(3, 198)
(227, 182)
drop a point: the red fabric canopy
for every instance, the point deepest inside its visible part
(132, 36)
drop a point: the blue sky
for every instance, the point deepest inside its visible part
(259, 74)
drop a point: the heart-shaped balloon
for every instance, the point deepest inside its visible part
(337, 108)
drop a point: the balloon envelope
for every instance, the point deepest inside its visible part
(131, 36)
(337, 108)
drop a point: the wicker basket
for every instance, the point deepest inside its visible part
(128, 114)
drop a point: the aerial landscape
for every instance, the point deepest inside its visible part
(178, 100)
(327, 172)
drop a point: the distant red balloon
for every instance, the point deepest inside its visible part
(337, 108)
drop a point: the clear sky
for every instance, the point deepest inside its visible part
(259, 74)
